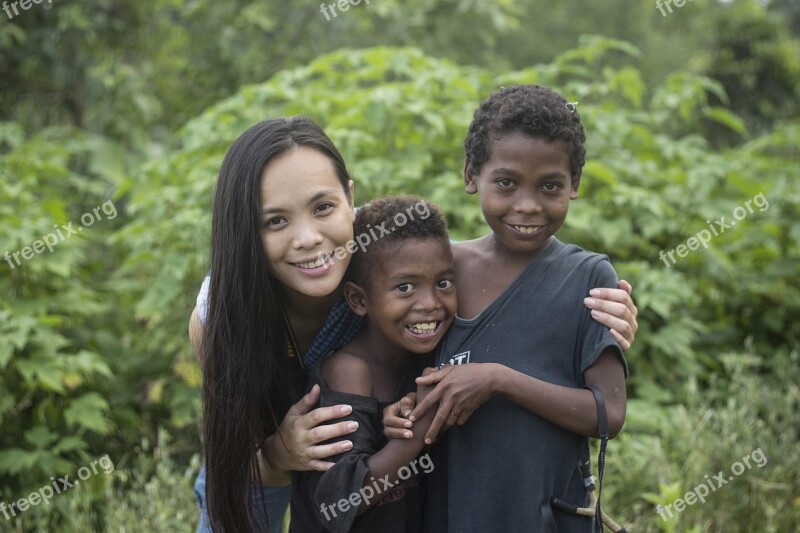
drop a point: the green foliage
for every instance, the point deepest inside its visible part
(53, 397)
(93, 343)
(664, 453)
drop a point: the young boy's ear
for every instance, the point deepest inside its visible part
(355, 296)
(469, 178)
(573, 193)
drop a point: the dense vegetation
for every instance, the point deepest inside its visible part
(688, 120)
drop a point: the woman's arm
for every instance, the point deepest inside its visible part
(615, 309)
(461, 389)
(296, 444)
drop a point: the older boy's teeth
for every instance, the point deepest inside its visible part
(423, 327)
(314, 264)
(528, 229)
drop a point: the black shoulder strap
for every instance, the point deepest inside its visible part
(602, 426)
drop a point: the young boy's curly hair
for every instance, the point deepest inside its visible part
(404, 217)
(529, 109)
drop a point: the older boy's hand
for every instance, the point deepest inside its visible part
(460, 390)
(615, 309)
(396, 424)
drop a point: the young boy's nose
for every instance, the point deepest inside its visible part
(427, 300)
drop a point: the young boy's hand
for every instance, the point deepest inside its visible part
(395, 418)
(615, 309)
(460, 390)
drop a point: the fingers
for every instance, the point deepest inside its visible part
(435, 377)
(451, 420)
(323, 451)
(398, 422)
(625, 286)
(620, 296)
(422, 407)
(397, 433)
(439, 420)
(322, 433)
(323, 414)
(321, 466)
(616, 309)
(619, 325)
(622, 341)
(464, 417)
(306, 403)
(407, 404)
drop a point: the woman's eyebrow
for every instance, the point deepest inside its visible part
(321, 194)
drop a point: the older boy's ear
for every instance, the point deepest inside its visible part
(355, 297)
(573, 193)
(470, 184)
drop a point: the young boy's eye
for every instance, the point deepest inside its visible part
(551, 187)
(405, 287)
(505, 183)
(446, 284)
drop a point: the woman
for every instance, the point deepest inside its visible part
(283, 204)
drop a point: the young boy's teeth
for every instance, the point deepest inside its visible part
(423, 327)
(314, 264)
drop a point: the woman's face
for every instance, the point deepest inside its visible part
(305, 216)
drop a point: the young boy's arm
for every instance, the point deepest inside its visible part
(352, 376)
(461, 389)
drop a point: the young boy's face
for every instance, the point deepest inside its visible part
(524, 189)
(411, 294)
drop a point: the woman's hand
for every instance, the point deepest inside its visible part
(460, 390)
(615, 309)
(396, 424)
(295, 446)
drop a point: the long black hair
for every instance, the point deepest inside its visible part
(246, 377)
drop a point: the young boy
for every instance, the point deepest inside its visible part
(403, 283)
(518, 348)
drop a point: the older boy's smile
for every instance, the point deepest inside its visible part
(524, 188)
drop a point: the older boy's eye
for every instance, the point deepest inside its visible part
(405, 287)
(446, 284)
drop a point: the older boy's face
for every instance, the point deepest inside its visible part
(411, 294)
(524, 190)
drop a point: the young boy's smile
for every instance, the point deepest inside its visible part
(411, 297)
(524, 189)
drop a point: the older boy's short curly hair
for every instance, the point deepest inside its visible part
(404, 217)
(529, 109)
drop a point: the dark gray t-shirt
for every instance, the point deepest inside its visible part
(506, 462)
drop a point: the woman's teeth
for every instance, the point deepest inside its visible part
(423, 327)
(528, 229)
(314, 264)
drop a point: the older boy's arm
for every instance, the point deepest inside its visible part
(570, 408)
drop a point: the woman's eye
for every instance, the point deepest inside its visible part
(272, 222)
(446, 284)
(323, 208)
(405, 287)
